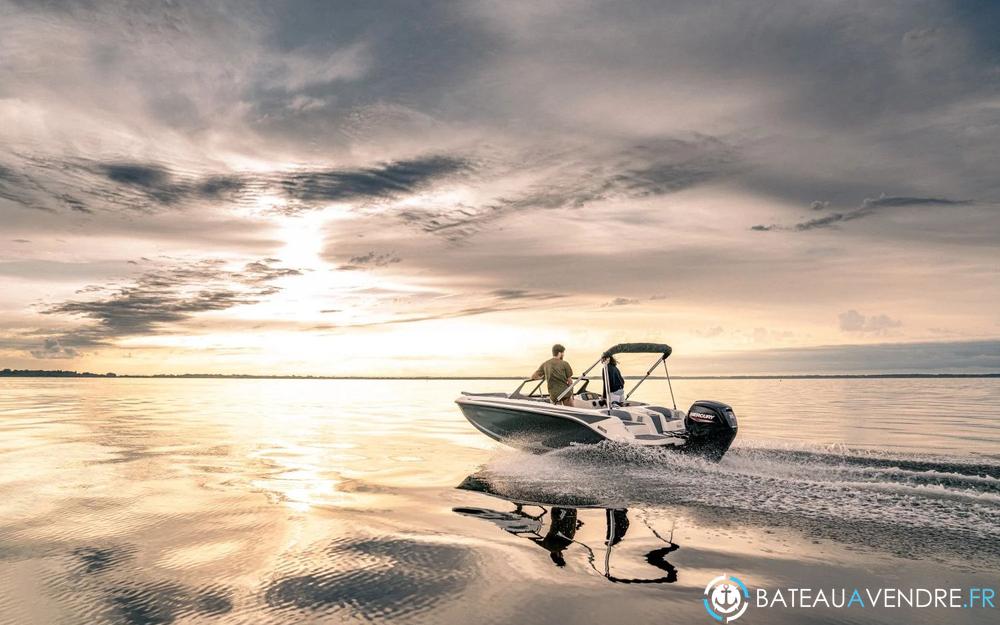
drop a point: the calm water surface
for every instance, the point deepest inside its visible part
(289, 501)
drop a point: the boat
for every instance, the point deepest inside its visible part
(529, 419)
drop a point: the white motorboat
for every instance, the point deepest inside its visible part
(530, 420)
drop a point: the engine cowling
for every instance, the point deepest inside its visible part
(711, 428)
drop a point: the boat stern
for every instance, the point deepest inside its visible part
(711, 427)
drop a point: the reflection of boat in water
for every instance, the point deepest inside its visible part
(554, 528)
(530, 420)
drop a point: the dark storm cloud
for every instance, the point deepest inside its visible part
(869, 206)
(377, 182)
(153, 181)
(87, 186)
(145, 176)
(171, 295)
(218, 186)
(160, 186)
(128, 186)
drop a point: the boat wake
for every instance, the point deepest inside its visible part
(911, 505)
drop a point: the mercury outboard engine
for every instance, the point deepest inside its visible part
(711, 428)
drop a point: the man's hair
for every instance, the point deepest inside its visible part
(557, 349)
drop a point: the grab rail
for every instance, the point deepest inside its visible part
(517, 391)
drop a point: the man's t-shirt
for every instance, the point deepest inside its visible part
(557, 373)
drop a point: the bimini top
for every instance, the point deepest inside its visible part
(639, 348)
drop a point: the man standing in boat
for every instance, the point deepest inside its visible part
(558, 375)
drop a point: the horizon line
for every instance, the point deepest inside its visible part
(60, 373)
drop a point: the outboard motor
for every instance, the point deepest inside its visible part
(711, 428)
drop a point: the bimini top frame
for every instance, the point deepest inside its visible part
(662, 349)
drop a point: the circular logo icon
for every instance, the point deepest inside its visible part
(726, 598)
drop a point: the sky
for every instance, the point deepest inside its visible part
(448, 188)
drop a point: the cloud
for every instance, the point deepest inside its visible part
(463, 305)
(370, 260)
(523, 294)
(620, 301)
(145, 176)
(12, 188)
(156, 183)
(869, 206)
(84, 185)
(884, 200)
(52, 349)
(167, 187)
(87, 186)
(826, 221)
(853, 321)
(574, 177)
(171, 295)
(259, 272)
(381, 181)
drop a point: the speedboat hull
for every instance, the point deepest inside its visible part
(538, 426)
(529, 430)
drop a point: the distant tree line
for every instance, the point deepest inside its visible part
(58, 373)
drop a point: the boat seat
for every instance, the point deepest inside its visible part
(668, 414)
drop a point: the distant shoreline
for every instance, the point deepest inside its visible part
(33, 373)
